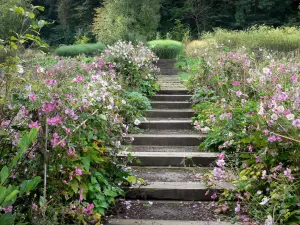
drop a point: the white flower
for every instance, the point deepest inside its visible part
(205, 130)
(259, 192)
(290, 116)
(266, 70)
(123, 102)
(137, 122)
(20, 69)
(274, 117)
(269, 220)
(264, 201)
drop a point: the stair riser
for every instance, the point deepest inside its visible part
(169, 194)
(173, 92)
(166, 141)
(172, 161)
(166, 126)
(171, 105)
(166, 114)
(171, 98)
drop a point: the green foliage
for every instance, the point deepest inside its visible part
(126, 20)
(80, 49)
(283, 39)
(180, 32)
(138, 100)
(166, 49)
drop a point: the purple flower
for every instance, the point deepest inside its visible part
(8, 209)
(34, 124)
(214, 196)
(32, 97)
(78, 171)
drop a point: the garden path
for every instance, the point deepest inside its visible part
(170, 164)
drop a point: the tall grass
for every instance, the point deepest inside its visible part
(80, 49)
(281, 40)
(284, 39)
(166, 49)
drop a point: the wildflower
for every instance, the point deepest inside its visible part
(244, 165)
(296, 123)
(259, 192)
(258, 159)
(68, 130)
(88, 209)
(34, 207)
(20, 69)
(272, 138)
(237, 208)
(279, 167)
(34, 124)
(250, 148)
(124, 134)
(71, 152)
(5, 124)
(78, 171)
(54, 120)
(137, 122)
(238, 93)
(205, 130)
(221, 163)
(214, 196)
(269, 220)
(236, 83)
(290, 116)
(264, 174)
(132, 139)
(78, 79)
(288, 174)
(48, 107)
(32, 97)
(40, 70)
(8, 209)
(218, 172)
(274, 117)
(264, 201)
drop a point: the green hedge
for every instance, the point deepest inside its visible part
(80, 49)
(166, 49)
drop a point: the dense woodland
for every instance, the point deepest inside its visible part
(74, 17)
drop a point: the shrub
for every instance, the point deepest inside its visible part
(80, 49)
(166, 49)
(138, 100)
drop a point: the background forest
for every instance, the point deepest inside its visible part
(155, 18)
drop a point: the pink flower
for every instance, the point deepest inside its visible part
(68, 131)
(237, 208)
(279, 167)
(34, 124)
(221, 163)
(50, 82)
(214, 196)
(218, 172)
(288, 174)
(258, 159)
(272, 138)
(244, 165)
(238, 93)
(78, 79)
(236, 83)
(296, 123)
(81, 194)
(34, 207)
(32, 97)
(54, 120)
(250, 148)
(5, 124)
(48, 107)
(88, 209)
(8, 209)
(78, 171)
(229, 115)
(71, 152)
(221, 156)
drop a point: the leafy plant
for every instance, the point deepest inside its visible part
(166, 49)
(80, 49)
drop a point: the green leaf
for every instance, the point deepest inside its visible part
(41, 23)
(86, 163)
(7, 219)
(2, 193)
(29, 185)
(4, 174)
(103, 117)
(19, 10)
(74, 185)
(31, 15)
(11, 198)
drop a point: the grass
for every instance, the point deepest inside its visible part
(80, 49)
(283, 39)
(166, 49)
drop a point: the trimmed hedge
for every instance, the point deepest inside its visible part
(80, 49)
(166, 49)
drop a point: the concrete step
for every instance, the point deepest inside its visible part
(171, 174)
(145, 148)
(171, 105)
(162, 222)
(166, 124)
(167, 139)
(168, 212)
(187, 191)
(177, 159)
(173, 92)
(168, 113)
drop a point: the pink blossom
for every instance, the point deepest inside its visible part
(296, 123)
(288, 174)
(218, 172)
(258, 159)
(221, 156)
(279, 167)
(272, 138)
(238, 93)
(221, 163)
(81, 194)
(34, 207)
(264, 174)
(54, 120)
(214, 196)
(68, 131)
(236, 83)
(50, 82)
(237, 208)
(34, 124)
(8, 209)
(250, 148)
(48, 107)
(244, 165)
(32, 97)
(71, 152)
(5, 124)
(78, 171)
(78, 79)
(88, 209)
(229, 115)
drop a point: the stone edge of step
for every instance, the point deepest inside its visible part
(162, 222)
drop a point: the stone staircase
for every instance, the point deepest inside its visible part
(170, 164)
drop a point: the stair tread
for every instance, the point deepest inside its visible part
(162, 222)
(146, 148)
(171, 154)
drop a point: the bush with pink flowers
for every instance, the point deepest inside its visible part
(249, 110)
